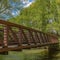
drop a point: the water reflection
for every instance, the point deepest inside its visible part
(28, 56)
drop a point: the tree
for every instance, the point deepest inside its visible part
(45, 4)
(53, 16)
(9, 7)
(41, 15)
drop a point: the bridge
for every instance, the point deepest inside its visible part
(14, 37)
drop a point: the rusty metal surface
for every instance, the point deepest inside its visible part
(14, 37)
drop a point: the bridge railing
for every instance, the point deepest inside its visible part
(14, 35)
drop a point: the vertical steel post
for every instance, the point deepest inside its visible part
(20, 40)
(5, 41)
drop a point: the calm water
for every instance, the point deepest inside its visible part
(29, 55)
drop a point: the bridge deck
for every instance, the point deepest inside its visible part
(17, 37)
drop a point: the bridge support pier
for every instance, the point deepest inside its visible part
(52, 50)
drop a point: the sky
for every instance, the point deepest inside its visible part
(16, 8)
(26, 4)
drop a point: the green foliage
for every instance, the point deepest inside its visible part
(7, 7)
(39, 14)
(4, 6)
